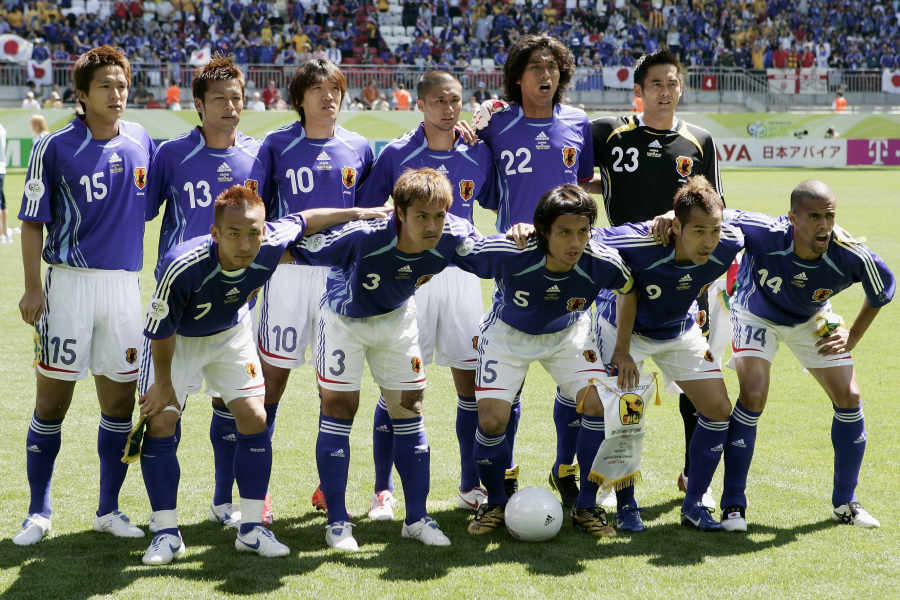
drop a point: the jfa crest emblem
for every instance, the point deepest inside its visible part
(474, 342)
(131, 355)
(348, 176)
(252, 185)
(140, 177)
(466, 189)
(590, 356)
(822, 294)
(684, 165)
(631, 409)
(423, 280)
(575, 304)
(251, 370)
(570, 154)
(416, 364)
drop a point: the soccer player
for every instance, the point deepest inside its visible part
(643, 160)
(538, 143)
(367, 315)
(314, 162)
(540, 314)
(792, 266)
(658, 320)
(186, 174)
(198, 326)
(449, 308)
(86, 183)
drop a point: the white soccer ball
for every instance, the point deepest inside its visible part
(533, 514)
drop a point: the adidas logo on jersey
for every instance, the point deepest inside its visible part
(739, 443)
(34, 448)
(223, 173)
(542, 140)
(685, 282)
(323, 156)
(114, 157)
(685, 279)
(405, 269)
(553, 289)
(801, 275)
(232, 295)
(717, 448)
(223, 168)
(442, 170)
(799, 279)
(542, 137)
(339, 453)
(654, 144)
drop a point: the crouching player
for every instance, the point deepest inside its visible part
(368, 315)
(540, 314)
(792, 266)
(198, 325)
(658, 320)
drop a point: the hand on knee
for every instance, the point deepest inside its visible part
(163, 423)
(405, 404)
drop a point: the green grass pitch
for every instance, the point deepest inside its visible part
(793, 549)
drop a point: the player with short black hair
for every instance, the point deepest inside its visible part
(313, 162)
(86, 184)
(792, 267)
(367, 316)
(643, 160)
(186, 174)
(198, 326)
(540, 313)
(449, 308)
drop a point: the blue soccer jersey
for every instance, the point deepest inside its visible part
(196, 298)
(295, 172)
(369, 276)
(532, 299)
(187, 175)
(776, 285)
(470, 170)
(666, 289)
(533, 156)
(91, 194)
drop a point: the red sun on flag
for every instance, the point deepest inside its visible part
(895, 80)
(38, 72)
(622, 74)
(11, 47)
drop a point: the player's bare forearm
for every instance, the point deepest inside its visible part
(32, 303)
(626, 312)
(163, 351)
(865, 317)
(594, 186)
(318, 219)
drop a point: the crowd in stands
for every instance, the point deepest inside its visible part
(853, 34)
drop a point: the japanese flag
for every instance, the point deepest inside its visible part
(41, 72)
(201, 56)
(14, 49)
(890, 81)
(618, 77)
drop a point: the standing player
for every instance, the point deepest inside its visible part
(311, 163)
(367, 315)
(540, 314)
(199, 330)
(187, 173)
(658, 320)
(538, 143)
(449, 308)
(792, 267)
(86, 184)
(643, 160)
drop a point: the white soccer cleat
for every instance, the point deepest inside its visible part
(224, 514)
(339, 535)
(472, 499)
(425, 530)
(118, 524)
(853, 513)
(262, 541)
(382, 506)
(164, 548)
(607, 499)
(734, 519)
(34, 528)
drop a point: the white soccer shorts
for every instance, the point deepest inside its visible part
(719, 321)
(92, 321)
(228, 361)
(756, 337)
(685, 358)
(389, 342)
(449, 309)
(504, 354)
(288, 315)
